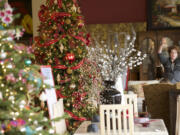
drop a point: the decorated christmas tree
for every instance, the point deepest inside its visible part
(20, 83)
(62, 44)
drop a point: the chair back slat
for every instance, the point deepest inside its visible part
(108, 120)
(116, 119)
(178, 116)
(132, 99)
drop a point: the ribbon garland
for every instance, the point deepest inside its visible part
(60, 67)
(75, 117)
(58, 93)
(74, 1)
(59, 3)
(80, 38)
(61, 14)
(51, 2)
(64, 81)
(48, 43)
(73, 68)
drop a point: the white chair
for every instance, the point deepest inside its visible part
(114, 119)
(178, 117)
(132, 99)
(58, 111)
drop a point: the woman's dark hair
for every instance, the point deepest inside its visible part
(174, 47)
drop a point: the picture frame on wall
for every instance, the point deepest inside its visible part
(24, 9)
(163, 14)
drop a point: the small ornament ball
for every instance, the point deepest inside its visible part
(3, 55)
(28, 62)
(68, 21)
(68, 104)
(69, 71)
(70, 57)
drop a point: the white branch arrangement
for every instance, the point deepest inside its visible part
(114, 60)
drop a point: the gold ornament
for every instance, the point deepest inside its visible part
(61, 48)
(69, 71)
(68, 21)
(79, 51)
(67, 104)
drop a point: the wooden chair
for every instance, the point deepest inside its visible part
(132, 99)
(116, 119)
(178, 117)
(157, 101)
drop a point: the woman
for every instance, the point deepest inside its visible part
(171, 64)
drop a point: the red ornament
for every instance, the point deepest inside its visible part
(70, 56)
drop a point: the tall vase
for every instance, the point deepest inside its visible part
(110, 95)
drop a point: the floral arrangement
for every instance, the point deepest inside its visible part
(6, 13)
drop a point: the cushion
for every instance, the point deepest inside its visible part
(137, 86)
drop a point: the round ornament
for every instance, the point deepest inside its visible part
(69, 71)
(28, 62)
(67, 104)
(70, 56)
(3, 55)
(68, 21)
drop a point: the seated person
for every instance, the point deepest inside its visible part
(171, 64)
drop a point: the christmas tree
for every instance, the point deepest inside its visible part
(20, 83)
(62, 44)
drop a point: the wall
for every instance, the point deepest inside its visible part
(103, 11)
(35, 9)
(113, 11)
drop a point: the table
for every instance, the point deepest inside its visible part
(156, 127)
